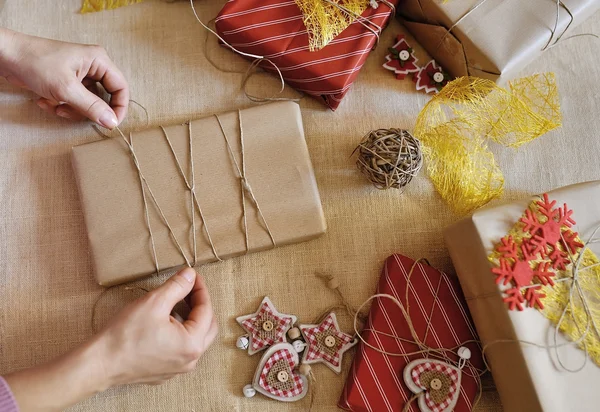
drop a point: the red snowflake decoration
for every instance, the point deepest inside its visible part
(401, 59)
(531, 264)
(546, 237)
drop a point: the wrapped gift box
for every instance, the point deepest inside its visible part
(528, 378)
(275, 30)
(499, 37)
(375, 380)
(278, 169)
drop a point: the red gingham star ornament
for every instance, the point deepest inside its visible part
(401, 59)
(265, 327)
(326, 343)
(436, 383)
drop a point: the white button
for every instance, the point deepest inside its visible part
(330, 341)
(438, 77)
(436, 384)
(404, 55)
(267, 326)
(283, 376)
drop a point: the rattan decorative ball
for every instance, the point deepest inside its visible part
(389, 157)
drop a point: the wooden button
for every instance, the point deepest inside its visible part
(436, 384)
(283, 376)
(330, 341)
(267, 326)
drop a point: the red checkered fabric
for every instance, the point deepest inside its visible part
(280, 324)
(314, 352)
(298, 382)
(440, 367)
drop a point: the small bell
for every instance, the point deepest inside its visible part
(298, 345)
(243, 342)
(249, 391)
(464, 353)
(374, 4)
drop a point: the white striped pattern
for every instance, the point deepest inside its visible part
(259, 25)
(262, 8)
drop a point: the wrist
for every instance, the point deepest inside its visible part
(8, 50)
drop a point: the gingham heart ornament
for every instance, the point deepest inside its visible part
(437, 383)
(277, 376)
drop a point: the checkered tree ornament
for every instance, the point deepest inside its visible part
(326, 343)
(265, 327)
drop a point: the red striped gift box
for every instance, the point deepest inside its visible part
(375, 381)
(275, 29)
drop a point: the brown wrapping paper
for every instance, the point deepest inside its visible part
(278, 168)
(499, 38)
(527, 377)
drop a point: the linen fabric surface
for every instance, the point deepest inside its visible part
(47, 287)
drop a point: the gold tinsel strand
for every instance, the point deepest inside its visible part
(457, 123)
(91, 6)
(325, 21)
(557, 296)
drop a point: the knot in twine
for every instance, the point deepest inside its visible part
(389, 157)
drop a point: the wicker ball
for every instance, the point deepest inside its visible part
(389, 157)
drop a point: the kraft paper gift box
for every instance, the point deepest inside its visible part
(275, 29)
(498, 38)
(375, 381)
(528, 378)
(278, 170)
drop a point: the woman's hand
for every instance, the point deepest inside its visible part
(143, 344)
(60, 73)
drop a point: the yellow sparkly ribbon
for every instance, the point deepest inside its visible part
(457, 124)
(324, 21)
(91, 6)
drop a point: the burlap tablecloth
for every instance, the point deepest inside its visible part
(46, 285)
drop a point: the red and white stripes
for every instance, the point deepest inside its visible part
(275, 29)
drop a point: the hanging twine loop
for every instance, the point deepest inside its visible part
(389, 158)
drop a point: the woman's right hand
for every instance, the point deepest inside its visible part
(145, 344)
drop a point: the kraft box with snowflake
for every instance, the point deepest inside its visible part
(530, 273)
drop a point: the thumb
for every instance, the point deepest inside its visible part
(177, 287)
(89, 105)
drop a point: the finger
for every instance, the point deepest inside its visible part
(201, 314)
(67, 112)
(114, 82)
(49, 106)
(176, 288)
(212, 333)
(89, 105)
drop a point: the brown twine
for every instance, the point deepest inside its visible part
(194, 202)
(389, 157)
(553, 30)
(174, 313)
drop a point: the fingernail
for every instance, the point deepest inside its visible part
(188, 274)
(42, 105)
(63, 113)
(108, 120)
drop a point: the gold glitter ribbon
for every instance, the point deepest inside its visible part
(457, 124)
(564, 303)
(91, 6)
(324, 20)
